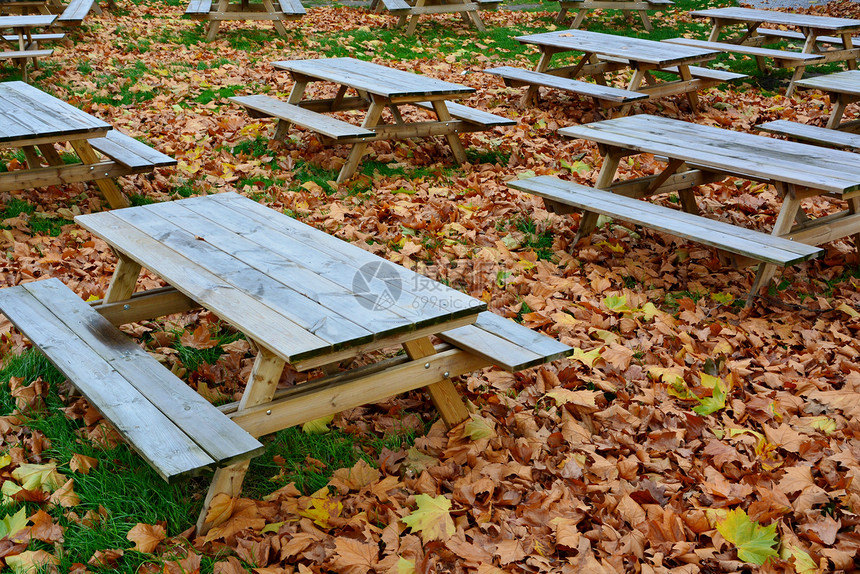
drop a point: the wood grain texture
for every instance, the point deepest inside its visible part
(744, 15)
(606, 94)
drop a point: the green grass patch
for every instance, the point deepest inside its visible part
(192, 358)
(210, 94)
(39, 222)
(537, 239)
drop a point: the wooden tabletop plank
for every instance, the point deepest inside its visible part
(39, 114)
(159, 441)
(258, 321)
(314, 274)
(373, 78)
(157, 221)
(730, 152)
(632, 49)
(431, 297)
(847, 82)
(781, 18)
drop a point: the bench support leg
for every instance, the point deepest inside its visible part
(50, 154)
(580, 16)
(692, 96)
(838, 110)
(453, 139)
(543, 64)
(374, 112)
(443, 394)
(109, 189)
(562, 12)
(588, 221)
(783, 225)
(854, 208)
(124, 279)
(260, 389)
(33, 161)
(645, 20)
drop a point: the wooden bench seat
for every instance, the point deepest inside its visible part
(290, 113)
(709, 74)
(755, 244)
(782, 58)
(608, 96)
(397, 7)
(172, 427)
(489, 5)
(75, 12)
(813, 134)
(24, 54)
(199, 7)
(292, 7)
(485, 120)
(505, 343)
(131, 153)
(35, 39)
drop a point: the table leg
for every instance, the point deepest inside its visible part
(33, 161)
(607, 173)
(260, 389)
(542, 66)
(562, 12)
(645, 20)
(580, 17)
(854, 208)
(279, 26)
(109, 189)
(444, 395)
(374, 112)
(784, 222)
(848, 44)
(50, 154)
(453, 139)
(124, 279)
(838, 110)
(692, 95)
(222, 7)
(413, 20)
(808, 48)
(715, 31)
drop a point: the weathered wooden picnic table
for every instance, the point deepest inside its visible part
(410, 10)
(300, 296)
(627, 6)
(32, 119)
(21, 39)
(377, 88)
(699, 155)
(223, 10)
(603, 53)
(813, 31)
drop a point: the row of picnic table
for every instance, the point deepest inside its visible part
(306, 299)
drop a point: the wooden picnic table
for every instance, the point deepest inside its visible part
(700, 154)
(22, 37)
(603, 53)
(627, 6)
(410, 10)
(377, 88)
(33, 119)
(223, 10)
(814, 30)
(304, 298)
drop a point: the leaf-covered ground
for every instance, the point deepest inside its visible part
(684, 436)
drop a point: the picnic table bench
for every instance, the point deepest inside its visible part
(410, 10)
(378, 88)
(36, 120)
(604, 53)
(814, 30)
(702, 154)
(627, 6)
(24, 47)
(223, 10)
(299, 295)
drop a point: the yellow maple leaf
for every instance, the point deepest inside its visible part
(587, 358)
(42, 477)
(431, 518)
(322, 508)
(32, 561)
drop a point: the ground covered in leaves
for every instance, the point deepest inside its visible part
(683, 436)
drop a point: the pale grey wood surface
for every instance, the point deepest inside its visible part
(282, 283)
(632, 49)
(326, 125)
(813, 134)
(292, 7)
(708, 73)
(730, 152)
(780, 18)
(847, 82)
(13, 54)
(372, 78)
(129, 152)
(31, 21)
(76, 11)
(506, 343)
(760, 246)
(27, 112)
(748, 50)
(607, 93)
(792, 35)
(199, 7)
(471, 115)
